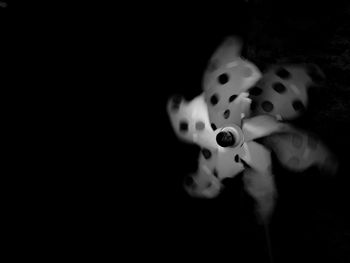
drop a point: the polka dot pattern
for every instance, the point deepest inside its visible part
(226, 114)
(175, 102)
(188, 181)
(279, 87)
(183, 126)
(223, 78)
(214, 99)
(232, 98)
(267, 106)
(206, 153)
(298, 105)
(199, 125)
(283, 73)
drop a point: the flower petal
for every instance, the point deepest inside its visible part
(261, 126)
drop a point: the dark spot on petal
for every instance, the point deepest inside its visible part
(175, 102)
(283, 73)
(297, 140)
(215, 173)
(199, 126)
(188, 180)
(279, 87)
(255, 91)
(206, 153)
(223, 78)
(226, 114)
(267, 106)
(232, 98)
(298, 105)
(183, 126)
(213, 126)
(236, 158)
(214, 99)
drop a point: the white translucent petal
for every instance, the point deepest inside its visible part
(259, 157)
(193, 112)
(298, 157)
(261, 187)
(261, 126)
(258, 179)
(227, 166)
(205, 185)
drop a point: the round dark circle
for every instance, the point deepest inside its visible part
(298, 105)
(279, 87)
(214, 99)
(226, 114)
(206, 153)
(283, 73)
(267, 106)
(223, 78)
(183, 126)
(232, 98)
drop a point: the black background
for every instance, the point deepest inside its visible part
(115, 68)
